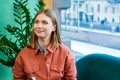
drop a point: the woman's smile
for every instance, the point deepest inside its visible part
(39, 30)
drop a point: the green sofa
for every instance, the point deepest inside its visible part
(98, 67)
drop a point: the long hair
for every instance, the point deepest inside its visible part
(55, 36)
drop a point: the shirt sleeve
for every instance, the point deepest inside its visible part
(70, 68)
(18, 70)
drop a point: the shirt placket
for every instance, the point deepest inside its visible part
(48, 59)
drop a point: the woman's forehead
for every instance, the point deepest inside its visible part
(42, 16)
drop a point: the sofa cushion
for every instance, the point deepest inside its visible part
(98, 67)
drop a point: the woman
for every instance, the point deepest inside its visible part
(45, 57)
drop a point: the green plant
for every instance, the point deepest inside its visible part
(9, 47)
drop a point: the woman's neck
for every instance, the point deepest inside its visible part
(43, 42)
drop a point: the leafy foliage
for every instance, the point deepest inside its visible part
(21, 32)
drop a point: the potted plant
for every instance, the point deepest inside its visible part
(9, 47)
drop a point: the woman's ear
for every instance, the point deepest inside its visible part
(54, 28)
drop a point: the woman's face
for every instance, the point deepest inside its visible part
(43, 26)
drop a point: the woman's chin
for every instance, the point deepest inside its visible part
(40, 36)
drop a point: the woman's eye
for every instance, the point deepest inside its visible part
(44, 22)
(36, 21)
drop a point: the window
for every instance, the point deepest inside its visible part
(113, 10)
(106, 9)
(92, 9)
(113, 20)
(86, 7)
(98, 7)
(88, 29)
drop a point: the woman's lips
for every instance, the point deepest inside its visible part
(39, 30)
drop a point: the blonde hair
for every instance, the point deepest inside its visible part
(55, 36)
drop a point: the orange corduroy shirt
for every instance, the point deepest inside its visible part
(32, 64)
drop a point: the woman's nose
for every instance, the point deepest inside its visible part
(40, 25)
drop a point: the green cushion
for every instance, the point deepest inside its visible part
(98, 67)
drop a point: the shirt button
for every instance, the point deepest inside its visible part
(47, 63)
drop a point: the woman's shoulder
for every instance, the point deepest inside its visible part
(65, 50)
(63, 47)
(24, 51)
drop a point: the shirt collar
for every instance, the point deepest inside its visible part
(40, 47)
(49, 48)
(36, 49)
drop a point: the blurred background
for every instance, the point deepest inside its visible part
(93, 26)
